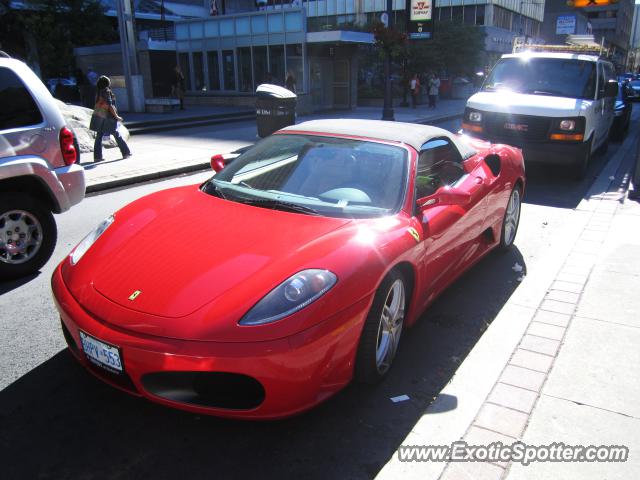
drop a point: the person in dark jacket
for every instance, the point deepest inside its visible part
(177, 85)
(105, 118)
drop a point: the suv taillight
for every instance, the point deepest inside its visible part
(66, 146)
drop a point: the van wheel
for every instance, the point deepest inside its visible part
(579, 168)
(28, 235)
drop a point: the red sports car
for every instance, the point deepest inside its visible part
(265, 290)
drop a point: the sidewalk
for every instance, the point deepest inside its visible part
(158, 155)
(561, 362)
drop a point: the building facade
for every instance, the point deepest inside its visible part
(561, 20)
(613, 24)
(227, 47)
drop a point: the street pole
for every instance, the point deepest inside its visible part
(128, 46)
(387, 110)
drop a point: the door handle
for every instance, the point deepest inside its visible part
(478, 180)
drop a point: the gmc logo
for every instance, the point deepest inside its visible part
(518, 127)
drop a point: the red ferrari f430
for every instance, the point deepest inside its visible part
(292, 271)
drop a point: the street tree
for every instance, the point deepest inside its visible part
(45, 32)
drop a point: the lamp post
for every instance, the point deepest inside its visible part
(387, 109)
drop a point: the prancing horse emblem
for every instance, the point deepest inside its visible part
(134, 295)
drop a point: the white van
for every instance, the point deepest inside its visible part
(557, 107)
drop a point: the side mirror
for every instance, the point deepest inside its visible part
(445, 196)
(217, 162)
(220, 160)
(611, 89)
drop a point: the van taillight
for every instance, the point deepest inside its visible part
(69, 153)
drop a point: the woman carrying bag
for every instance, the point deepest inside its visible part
(105, 118)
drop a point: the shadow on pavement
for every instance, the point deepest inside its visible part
(7, 286)
(552, 186)
(59, 422)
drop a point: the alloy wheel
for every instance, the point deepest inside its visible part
(20, 236)
(390, 326)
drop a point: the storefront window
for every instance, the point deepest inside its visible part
(244, 70)
(294, 65)
(276, 64)
(479, 14)
(198, 71)
(214, 72)
(260, 66)
(183, 61)
(228, 69)
(470, 15)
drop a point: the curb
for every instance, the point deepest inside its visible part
(125, 181)
(443, 118)
(188, 123)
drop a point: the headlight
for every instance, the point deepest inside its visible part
(568, 125)
(475, 116)
(87, 241)
(290, 296)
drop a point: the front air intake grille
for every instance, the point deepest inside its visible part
(121, 380)
(207, 389)
(519, 128)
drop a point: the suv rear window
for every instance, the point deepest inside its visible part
(18, 107)
(544, 76)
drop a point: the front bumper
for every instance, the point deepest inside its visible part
(73, 184)
(551, 153)
(294, 373)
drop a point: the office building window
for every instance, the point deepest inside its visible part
(276, 64)
(228, 70)
(245, 82)
(294, 65)
(198, 71)
(183, 61)
(479, 15)
(214, 72)
(260, 65)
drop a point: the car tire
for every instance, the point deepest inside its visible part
(511, 219)
(35, 226)
(382, 330)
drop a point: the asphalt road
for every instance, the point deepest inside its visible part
(58, 422)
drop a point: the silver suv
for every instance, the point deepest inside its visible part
(38, 171)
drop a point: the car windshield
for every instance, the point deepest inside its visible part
(316, 175)
(544, 76)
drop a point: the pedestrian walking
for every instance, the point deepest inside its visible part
(177, 85)
(290, 82)
(414, 88)
(105, 118)
(434, 89)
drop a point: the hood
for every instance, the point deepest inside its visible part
(181, 249)
(524, 104)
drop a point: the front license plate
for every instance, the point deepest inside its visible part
(102, 354)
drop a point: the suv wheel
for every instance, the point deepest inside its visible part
(28, 235)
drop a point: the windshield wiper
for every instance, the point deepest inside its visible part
(212, 189)
(280, 205)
